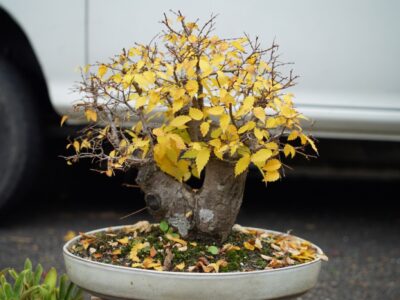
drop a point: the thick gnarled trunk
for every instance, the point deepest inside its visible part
(207, 213)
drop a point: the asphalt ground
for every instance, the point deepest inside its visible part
(355, 221)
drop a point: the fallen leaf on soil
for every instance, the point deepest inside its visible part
(153, 252)
(85, 244)
(248, 246)
(141, 226)
(273, 246)
(124, 241)
(257, 244)
(149, 263)
(176, 240)
(266, 257)
(180, 266)
(168, 259)
(182, 249)
(229, 247)
(116, 252)
(135, 249)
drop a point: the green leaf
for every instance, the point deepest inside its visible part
(164, 226)
(62, 291)
(8, 290)
(18, 285)
(213, 250)
(38, 274)
(28, 264)
(51, 278)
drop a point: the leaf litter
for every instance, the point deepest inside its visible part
(158, 247)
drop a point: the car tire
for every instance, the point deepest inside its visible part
(20, 135)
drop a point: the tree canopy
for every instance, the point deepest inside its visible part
(187, 97)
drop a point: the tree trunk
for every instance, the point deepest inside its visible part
(207, 213)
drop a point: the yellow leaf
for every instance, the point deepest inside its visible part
(63, 119)
(176, 93)
(248, 246)
(150, 77)
(179, 121)
(224, 122)
(261, 156)
(272, 176)
(216, 133)
(85, 244)
(109, 172)
(202, 158)
(140, 102)
(85, 144)
(271, 123)
(180, 144)
(192, 87)
(116, 252)
(259, 113)
(248, 126)
(192, 38)
(135, 249)
(272, 165)
(289, 149)
(288, 112)
(238, 45)
(293, 135)
(190, 154)
(258, 134)
(91, 115)
(216, 110)
(177, 105)
(303, 139)
(271, 145)
(205, 66)
(222, 78)
(180, 266)
(176, 240)
(248, 103)
(102, 71)
(242, 164)
(145, 79)
(312, 144)
(204, 128)
(124, 241)
(195, 113)
(76, 146)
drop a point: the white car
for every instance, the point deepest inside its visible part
(346, 52)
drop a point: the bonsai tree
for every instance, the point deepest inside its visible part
(191, 104)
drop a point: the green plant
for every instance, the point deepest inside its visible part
(30, 285)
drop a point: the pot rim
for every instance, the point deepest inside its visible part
(66, 252)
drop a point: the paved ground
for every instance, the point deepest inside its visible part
(355, 222)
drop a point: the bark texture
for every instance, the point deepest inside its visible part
(207, 213)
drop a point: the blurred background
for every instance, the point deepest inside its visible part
(346, 53)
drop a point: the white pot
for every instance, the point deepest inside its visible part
(117, 282)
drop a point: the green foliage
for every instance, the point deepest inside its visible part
(29, 285)
(164, 226)
(213, 250)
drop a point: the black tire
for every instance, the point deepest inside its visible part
(20, 137)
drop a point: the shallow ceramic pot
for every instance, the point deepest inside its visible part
(117, 282)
